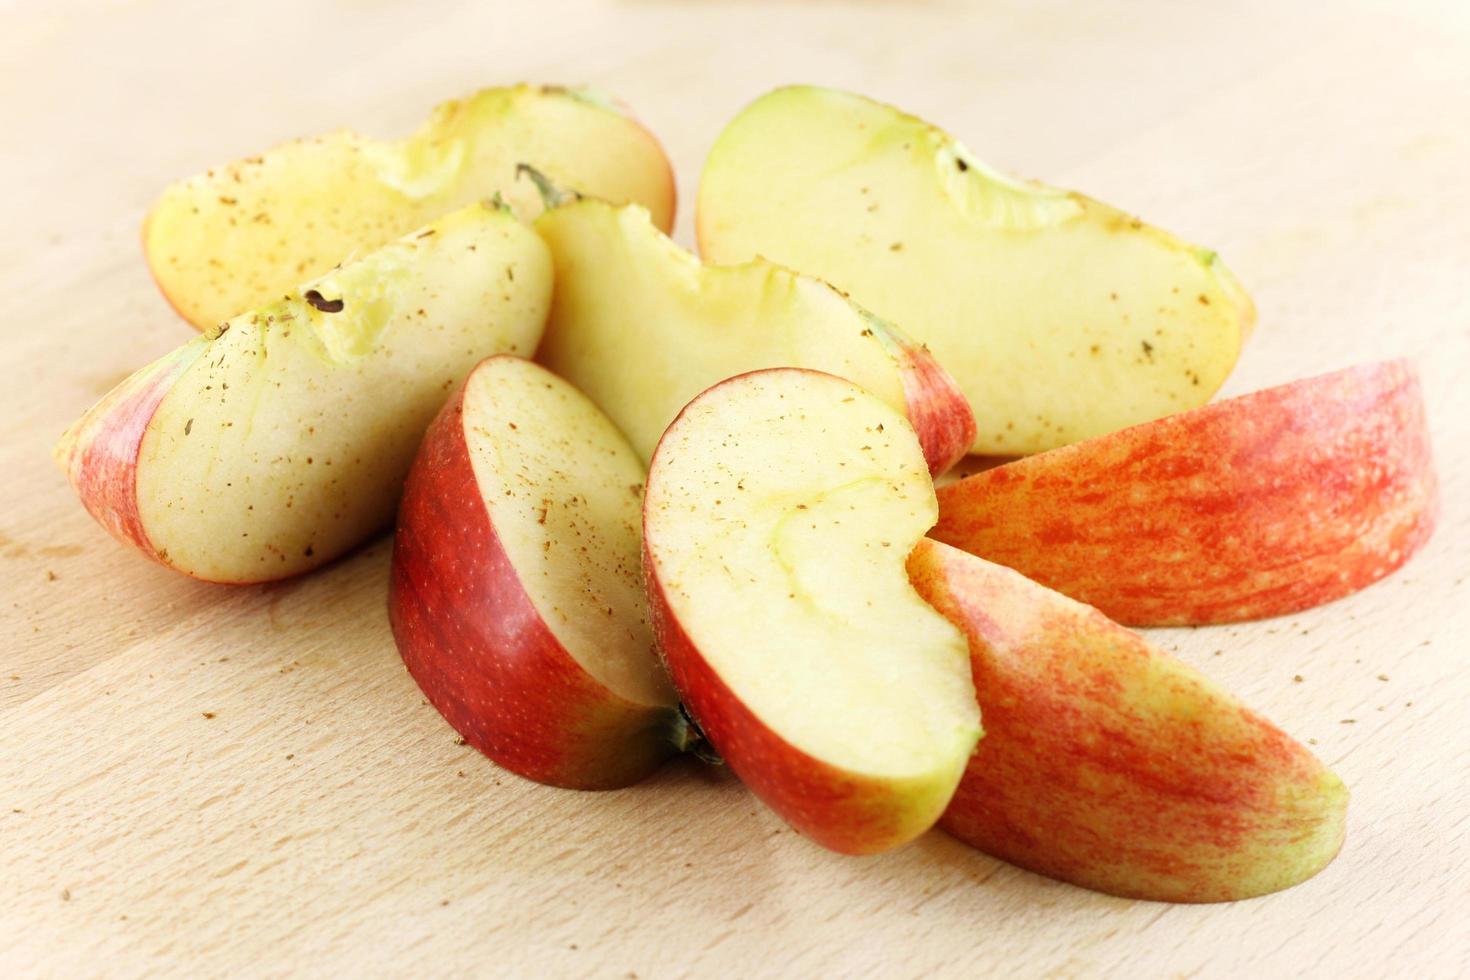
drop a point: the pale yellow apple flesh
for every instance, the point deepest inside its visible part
(1061, 317)
(245, 233)
(642, 327)
(564, 493)
(281, 440)
(781, 506)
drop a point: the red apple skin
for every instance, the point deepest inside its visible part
(483, 655)
(937, 409)
(1257, 506)
(837, 809)
(100, 452)
(1109, 764)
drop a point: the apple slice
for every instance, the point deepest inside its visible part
(1061, 317)
(1109, 764)
(516, 598)
(278, 441)
(642, 327)
(781, 505)
(1252, 507)
(241, 235)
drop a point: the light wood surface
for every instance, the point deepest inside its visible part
(202, 780)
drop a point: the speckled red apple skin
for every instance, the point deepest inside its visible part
(480, 651)
(1258, 506)
(1111, 765)
(842, 811)
(100, 453)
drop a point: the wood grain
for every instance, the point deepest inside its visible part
(205, 781)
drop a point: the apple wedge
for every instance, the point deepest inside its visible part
(1110, 764)
(1060, 317)
(516, 595)
(642, 327)
(1251, 507)
(242, 234)
(281, 439)
(780, 507)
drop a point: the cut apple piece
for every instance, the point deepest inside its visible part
(1061, 317)
(642, 327)
(241, 235)
(1252, 507)
(516, 596)
(1112, 765)
(281, 439)
(781, 505)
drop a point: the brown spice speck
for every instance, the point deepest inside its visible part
(325, 305)
(207, 714)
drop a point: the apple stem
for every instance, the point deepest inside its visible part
(687, 736)
(551, 195)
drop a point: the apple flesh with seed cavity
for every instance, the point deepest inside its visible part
(781, 505)
(278, 441)
(243, 234)
(1256, 506)
(1109, 764)
(516, 596)
(1060, 317)
(642, 327)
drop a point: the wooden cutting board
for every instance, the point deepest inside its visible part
(203, 780)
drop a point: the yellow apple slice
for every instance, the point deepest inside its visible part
(280, 440)
(642, 326)
(244, 233)
(1060, 317)
(780, 508)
